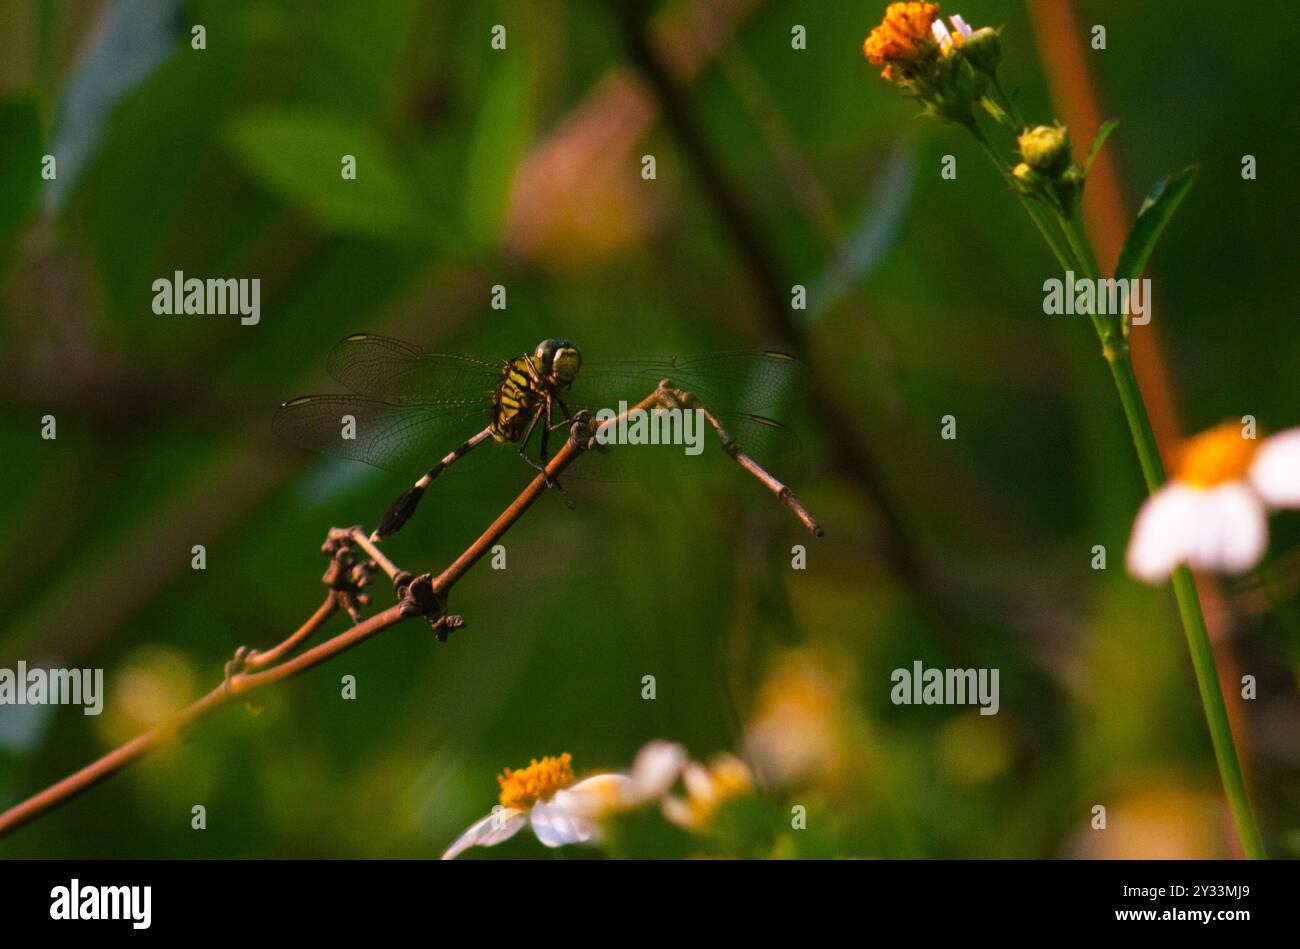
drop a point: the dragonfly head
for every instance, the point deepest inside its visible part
(558, 360)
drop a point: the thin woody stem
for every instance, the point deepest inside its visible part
(563, 458)
(247, 682)
(362, 540)
(269, 657)
(730, 446)
(260, 669)
(109, 764)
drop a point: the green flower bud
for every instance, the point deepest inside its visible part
(983, 49)
(1046, 148)
(1069, 188)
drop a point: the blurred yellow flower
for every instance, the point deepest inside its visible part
(152, 683)
(1164, 820)
(797, 730)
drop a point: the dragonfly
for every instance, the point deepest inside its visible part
(405, 404)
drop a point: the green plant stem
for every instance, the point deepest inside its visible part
(1216, 714)
(1045, 225)
(1075, 252)
(1083, 249)
(1189, 608)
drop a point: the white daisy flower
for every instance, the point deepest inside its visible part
(1213, 515)
(563, 810)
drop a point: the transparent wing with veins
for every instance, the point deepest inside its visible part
(411, 406)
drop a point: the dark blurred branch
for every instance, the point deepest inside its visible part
(811, 197)
(745, 231)
(346, 576)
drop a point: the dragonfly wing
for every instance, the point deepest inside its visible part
(765, 440)
(401, 373)
(742, 382)
(404, 438)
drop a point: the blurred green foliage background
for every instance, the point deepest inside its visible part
(522, 167)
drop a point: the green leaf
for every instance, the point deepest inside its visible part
(496, 146)
(1103, 133)
(1154, 214)
(298, 156)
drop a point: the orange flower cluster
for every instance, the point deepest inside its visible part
(901, 36)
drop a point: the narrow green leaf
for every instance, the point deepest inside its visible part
(1154, 214)
(1103, 133)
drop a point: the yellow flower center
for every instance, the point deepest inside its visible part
(537, 782)
(1217, 456)
(901, 36)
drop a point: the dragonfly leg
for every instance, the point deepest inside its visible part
(400, 511)
(546, 434)
(566, 417)
(528, 434)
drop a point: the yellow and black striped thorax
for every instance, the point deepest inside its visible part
(516, 400)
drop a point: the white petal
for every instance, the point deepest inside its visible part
(941, 34)
(1164, 531)
(698, 781)
(595, 795)
(556, 824)
(676, 811)
(960, 25)
(1235, 532)
(1275, 472)
(654, 771)
(497, 827)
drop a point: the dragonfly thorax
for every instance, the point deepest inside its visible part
(528, 384)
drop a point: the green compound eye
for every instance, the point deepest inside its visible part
(566, 363)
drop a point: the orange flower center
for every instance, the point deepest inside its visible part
(902, 34)
(537, 782)
(1217, 456)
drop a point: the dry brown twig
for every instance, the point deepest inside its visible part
(346, 576)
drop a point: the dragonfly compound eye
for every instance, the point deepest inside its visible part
(566, 363)
(558, 359)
